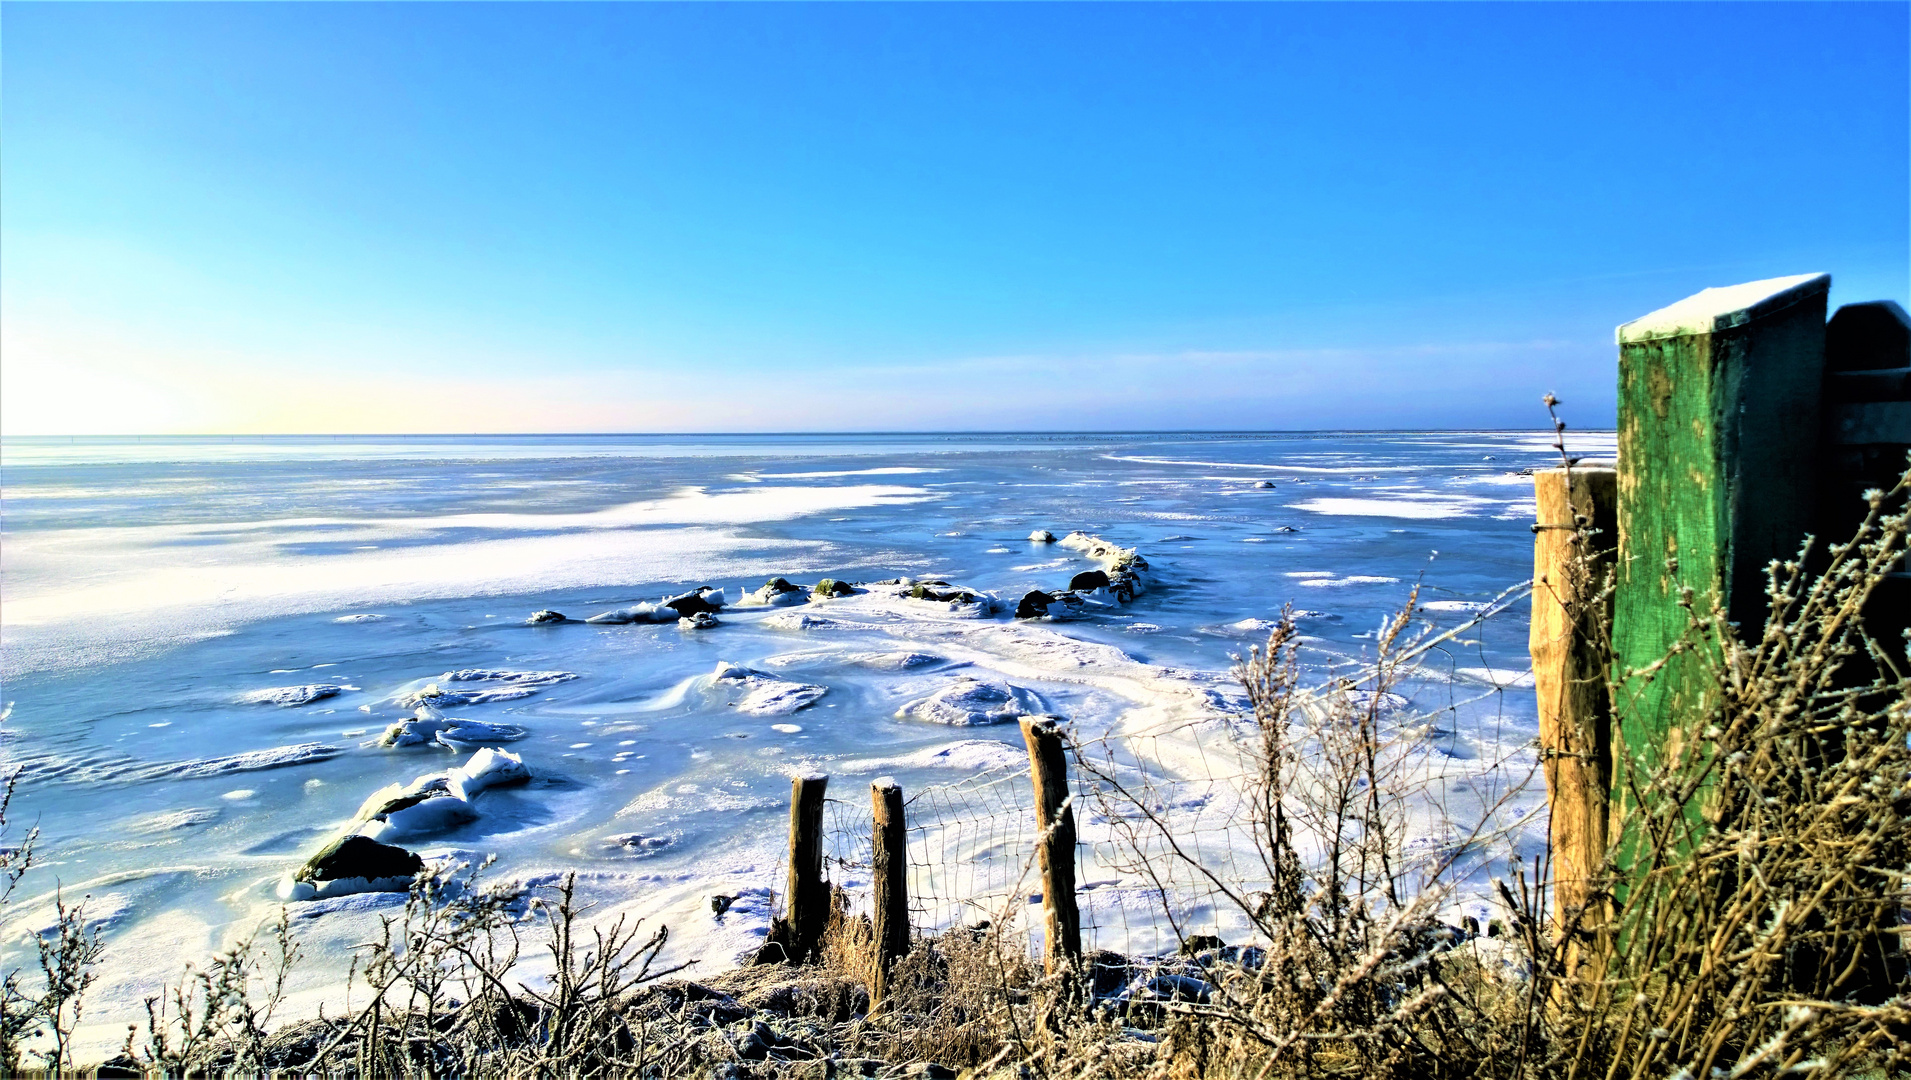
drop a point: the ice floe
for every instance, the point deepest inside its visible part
(277, 757)
(293, 696)
(765, 695)
(431, 726)
(969, 755)
(969, 701)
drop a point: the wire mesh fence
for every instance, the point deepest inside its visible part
(1171, 844)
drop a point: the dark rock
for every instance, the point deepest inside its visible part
(1107, 972)
(780, 585)
(1041, 536)
(1265, 485)
(546, 617)
(692, 603)
(357, 856)
(941, 592)
(1177, 988)
(832, 587)
(1088, 580)
(721, 903)
(1195, 943)
(701, 620)
(1034, 605)
(755, 1044)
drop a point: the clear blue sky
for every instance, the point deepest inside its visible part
(493, 217)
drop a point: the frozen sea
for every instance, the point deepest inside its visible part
(167, 603)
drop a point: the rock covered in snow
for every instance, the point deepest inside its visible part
(1041, 536)
(488, 768)
(703, 599)
(1264, 485)
(830, 587)
(545, 618)
(702, 620)
(429, 726)
(1123, 576)
(1033, 605)
(288, 697)
(776, 592)
(352, 864)
(969, 702)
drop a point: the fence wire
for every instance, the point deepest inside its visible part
(1167, 850)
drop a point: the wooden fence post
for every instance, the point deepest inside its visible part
(1718, 428)
(1574, 539)
(1055, 841)
(890, 899)
(795, 936)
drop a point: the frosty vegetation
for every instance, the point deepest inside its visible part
(1747, 923)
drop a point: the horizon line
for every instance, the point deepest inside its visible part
(781, 434)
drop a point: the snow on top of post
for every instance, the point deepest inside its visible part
(1723, 308)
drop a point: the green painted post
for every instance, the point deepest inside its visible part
(1718, 429)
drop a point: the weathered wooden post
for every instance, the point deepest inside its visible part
(890, 898)
(795, 936)
(1055, 841)
(1573, 547)
(1718, 429)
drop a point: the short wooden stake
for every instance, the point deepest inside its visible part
(800, 930)
(1055, 841)
(890, 887)
(1573, 547)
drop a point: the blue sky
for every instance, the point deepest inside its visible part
(493, 217)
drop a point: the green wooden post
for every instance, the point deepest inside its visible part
(1718, 428)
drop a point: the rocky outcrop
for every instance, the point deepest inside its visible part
(829, 587)
(362, 859)
(1122, 577)
(349, 864)
(1041, 536)
(1088, 581)
(545, 618)
(704, 600)
(776, 592)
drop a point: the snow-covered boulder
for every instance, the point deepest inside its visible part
(488, 768)
(702, 620)
(352, 864)
(545, 617)
(1041, 536)
(704, 599)
(776, 592)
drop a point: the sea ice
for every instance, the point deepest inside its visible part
(292, 696)
(765, 695)
(969, 702)
(253, 760)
